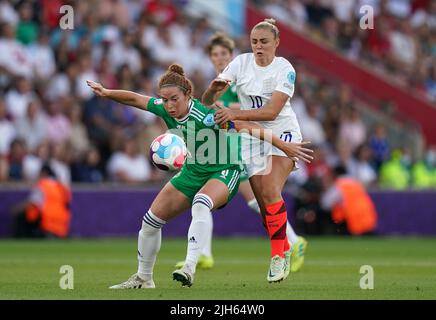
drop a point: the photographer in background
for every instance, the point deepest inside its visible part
(46, 214)
(352, 210)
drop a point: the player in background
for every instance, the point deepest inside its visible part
(220, 49)
(264, 84)
(201, 187)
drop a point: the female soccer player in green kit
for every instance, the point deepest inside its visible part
(220, 49)
(201, 186)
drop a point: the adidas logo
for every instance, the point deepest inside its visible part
(192, 239)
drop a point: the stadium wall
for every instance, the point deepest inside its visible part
(118, 213)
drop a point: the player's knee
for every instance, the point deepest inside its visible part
(151, 223)
(270, 194)
(201, 207)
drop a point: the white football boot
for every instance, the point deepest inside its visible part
(185, 275)
(135, 282)
(276, 271)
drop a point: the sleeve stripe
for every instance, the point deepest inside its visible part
(196, 117)
(197, 112)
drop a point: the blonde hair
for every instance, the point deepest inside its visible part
(175, 76)
(270, 24)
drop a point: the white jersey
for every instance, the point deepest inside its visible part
(255, 86)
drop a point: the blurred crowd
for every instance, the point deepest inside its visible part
(47, 112)
(333, 121)
(401, 44)
(49, 115)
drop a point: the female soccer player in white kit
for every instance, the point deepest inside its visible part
(264, 84)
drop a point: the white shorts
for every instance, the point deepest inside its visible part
(259, 161)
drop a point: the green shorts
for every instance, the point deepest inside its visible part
(244, 174)
(190, 183)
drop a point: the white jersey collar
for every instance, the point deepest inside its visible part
(185, 118)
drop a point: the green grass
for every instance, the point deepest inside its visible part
(404, 268)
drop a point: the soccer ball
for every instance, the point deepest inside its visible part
(168, 152)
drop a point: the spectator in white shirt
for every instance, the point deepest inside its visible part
(123, 52)
(361, 169)
(43, 59)
(7, 131)
(297, 14)
(58, 125)
(352, 131)
(60, 162)
(86, 72)
(311, 128)
(403, 46)
(14, 57)
(62, 84)
(32, 162)
(425, 16)
(129, 166)
(7, 13)
(18, 98)
(33, 127)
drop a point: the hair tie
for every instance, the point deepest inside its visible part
(174, 85)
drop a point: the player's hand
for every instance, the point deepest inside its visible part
(224, 114)
(297, 151)
(97, 88)
(218, 85)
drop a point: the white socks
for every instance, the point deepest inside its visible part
(200, 230)
(207, 250)
(290, 233)
(254, 205)
(149, 240)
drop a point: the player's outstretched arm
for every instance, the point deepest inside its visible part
(214, 91)
(122, 96)
(293, 150)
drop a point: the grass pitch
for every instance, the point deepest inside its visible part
(404, 268)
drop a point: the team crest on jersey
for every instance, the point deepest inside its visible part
(158, 101)
(209, 120)
(291, 77)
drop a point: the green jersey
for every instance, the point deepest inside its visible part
(229, 96)
(211, 148)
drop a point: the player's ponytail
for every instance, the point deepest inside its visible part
(175, 77)
(270, 24)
